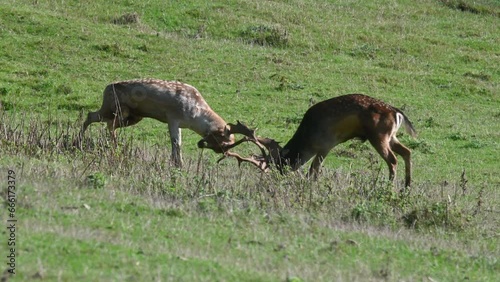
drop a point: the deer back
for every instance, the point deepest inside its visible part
(166, 101)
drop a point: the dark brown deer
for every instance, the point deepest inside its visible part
(126, 103)
(334, 121)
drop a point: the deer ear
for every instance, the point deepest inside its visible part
(227, 130)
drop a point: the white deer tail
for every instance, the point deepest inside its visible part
(401, 119)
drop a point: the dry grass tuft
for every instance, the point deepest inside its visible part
(264, 35)
(486, 7)
(128, 18)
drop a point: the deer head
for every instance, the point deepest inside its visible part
(218, 141)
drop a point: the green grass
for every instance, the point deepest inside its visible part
(229, 229)
(126, 214)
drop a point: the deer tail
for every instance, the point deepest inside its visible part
(402, 119)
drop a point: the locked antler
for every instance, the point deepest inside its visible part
(241, 129)
(260, 163)
(249, 136)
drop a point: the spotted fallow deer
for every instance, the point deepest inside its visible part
(125, 103)
(334, 121)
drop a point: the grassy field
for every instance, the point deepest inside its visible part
(124, 214)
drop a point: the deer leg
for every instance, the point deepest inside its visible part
(116, 122)
(316, 165)
(91, 118)
(383, 148)
(112, 130)
(175, 138)
(122, 118)
(404, 152)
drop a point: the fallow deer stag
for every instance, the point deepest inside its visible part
(334, 121)
(125, 103)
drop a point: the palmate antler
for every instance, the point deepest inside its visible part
(262, 162)
(249, 136)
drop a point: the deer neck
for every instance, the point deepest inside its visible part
(296, 153)
(207, 123)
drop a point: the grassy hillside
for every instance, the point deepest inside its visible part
(107, 214)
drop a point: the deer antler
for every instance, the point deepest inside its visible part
(249, 136)
(262, 163)
(242, 129)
